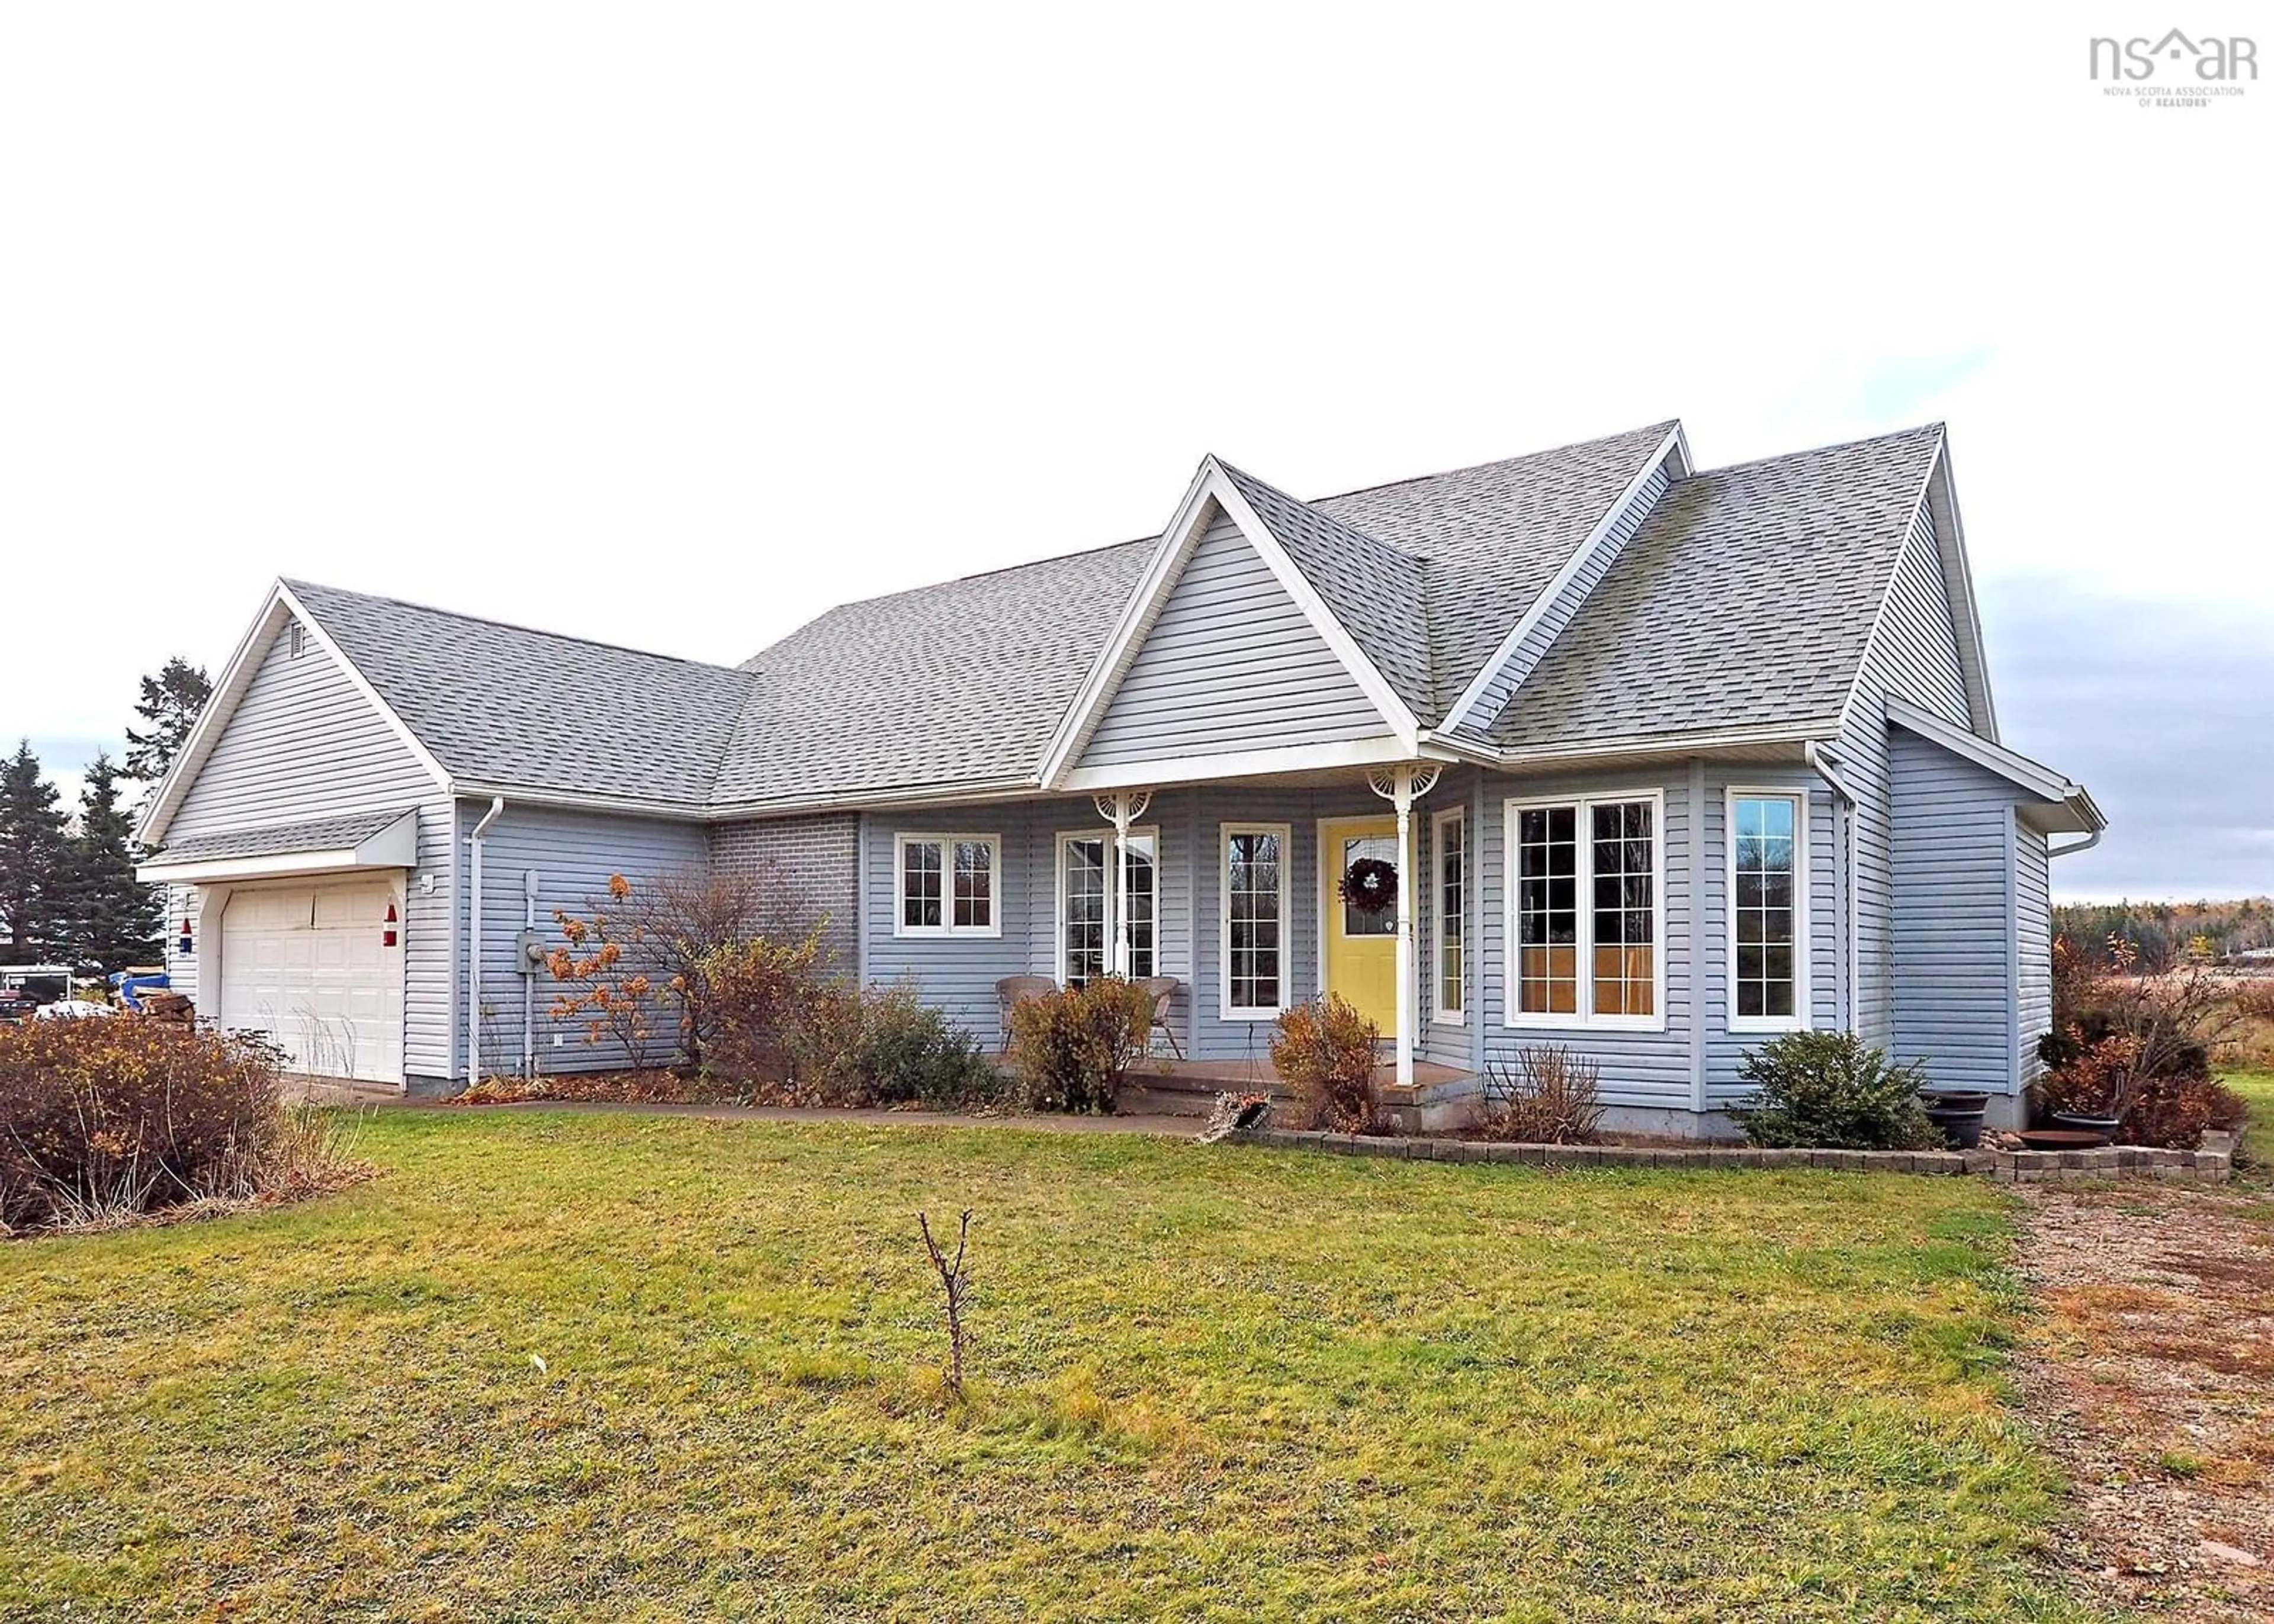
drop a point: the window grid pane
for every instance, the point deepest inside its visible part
(1624, 971)
(920, 884)
(1144, 881)
(1765, 909)
(1252, 903)
(1082, 885)
(1547, 911)
(975, 884)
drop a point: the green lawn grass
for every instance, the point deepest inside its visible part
(1222, 1384)
(2258, 1087)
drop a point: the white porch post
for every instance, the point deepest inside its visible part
(1401, 785)
(1121, 808)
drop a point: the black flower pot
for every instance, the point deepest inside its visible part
(2104, 1126)
(1960, 1117)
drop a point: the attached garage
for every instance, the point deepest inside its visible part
(318, 968)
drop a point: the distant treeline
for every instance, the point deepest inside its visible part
(2165, 931)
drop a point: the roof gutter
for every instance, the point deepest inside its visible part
(474, 943)
(2074, 847)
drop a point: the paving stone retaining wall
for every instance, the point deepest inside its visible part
(2011, 1167)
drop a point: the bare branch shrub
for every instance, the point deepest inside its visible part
(1323, 1050)
(1548, 1095)
(955, 1285)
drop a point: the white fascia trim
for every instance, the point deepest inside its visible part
(627, 806)
(1795, 734)
(1181, 534)
(1458, 713)
(1803, 982)
(1238, 764)
(2040, 780)
(1958, 586)
(394, 846)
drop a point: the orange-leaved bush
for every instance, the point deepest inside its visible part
(1324, 1051)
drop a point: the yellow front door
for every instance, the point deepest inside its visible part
(1361, 935)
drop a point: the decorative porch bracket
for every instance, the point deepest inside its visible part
(1121, 808)
(1402, 785)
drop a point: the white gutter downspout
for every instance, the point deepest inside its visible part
(1850, 940)
(474, 943)
(2085, 844)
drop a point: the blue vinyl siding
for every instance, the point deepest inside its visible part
(572, 854)
(1954, 997)
(1231, 664)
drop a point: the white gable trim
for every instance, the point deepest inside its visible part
(1457, 715)
(278, 609)
(1936, 496)
(1178, 540)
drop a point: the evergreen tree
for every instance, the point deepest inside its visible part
(110, 918)
(34, 850)
(170, 703)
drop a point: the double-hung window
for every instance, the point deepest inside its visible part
(1087, 897)
(948, 885)
(1449, 848)
(1585, 912)
(1255, 890)
(1768, 911)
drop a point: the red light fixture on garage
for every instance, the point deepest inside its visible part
(388, 939)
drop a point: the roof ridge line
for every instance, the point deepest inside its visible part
(1940, 429)
(298, 586)
(1521, 456)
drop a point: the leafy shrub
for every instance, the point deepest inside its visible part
(760, 994)
(1830, 1090)
(1075, 1046)
(104, 1118)
(1548, 1096)
(908, 1053)
(1324, 1051)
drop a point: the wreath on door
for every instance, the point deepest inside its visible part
(1370, 886)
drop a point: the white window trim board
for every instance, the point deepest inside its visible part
(1440, 1015)
(1804, 957)
(947, 841)
(1228, 1010)
(1516, 1019)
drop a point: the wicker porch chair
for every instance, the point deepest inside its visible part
(1012, 991)
(1162, 989)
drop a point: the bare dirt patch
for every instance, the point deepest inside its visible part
(2151, 1378)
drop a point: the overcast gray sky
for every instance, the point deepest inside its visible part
(675, 326)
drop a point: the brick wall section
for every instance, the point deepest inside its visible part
(819, 855)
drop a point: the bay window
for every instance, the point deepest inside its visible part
(1585, 912)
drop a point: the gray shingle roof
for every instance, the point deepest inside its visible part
(945, 684)
(504, 704)
(1745, 600)
(323, 834)
(1491, 538)
(1373, 588)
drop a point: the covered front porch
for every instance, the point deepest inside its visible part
(1253, 895)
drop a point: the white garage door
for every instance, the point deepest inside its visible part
(310, 967)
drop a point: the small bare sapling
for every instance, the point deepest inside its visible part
(953, 1284)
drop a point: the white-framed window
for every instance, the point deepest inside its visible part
(1768, 910)
(1087, 894)
(1449, 856)
(1256, 920)
(1586, 911)
(947, 885)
